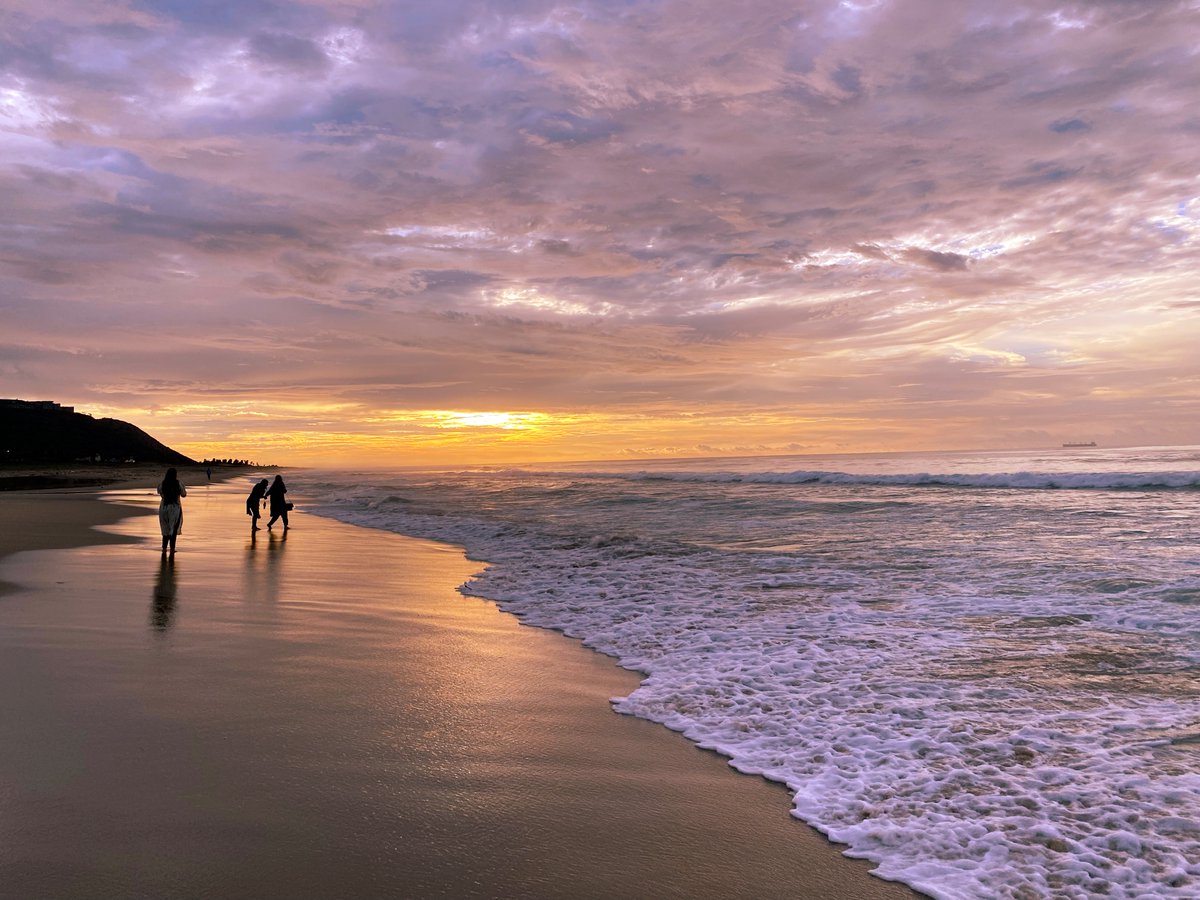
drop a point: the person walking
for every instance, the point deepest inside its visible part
(279, 504)
(170, 510)
(254, 501)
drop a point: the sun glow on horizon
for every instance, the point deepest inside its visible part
(299, 434)
(509, 421)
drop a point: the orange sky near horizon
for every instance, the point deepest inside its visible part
(384, 233)
(343, 438)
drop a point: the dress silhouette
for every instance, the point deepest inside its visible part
(170, 510)
(279, 504)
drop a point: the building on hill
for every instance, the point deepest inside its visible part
(35, 404)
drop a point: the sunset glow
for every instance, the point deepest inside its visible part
(379, 232)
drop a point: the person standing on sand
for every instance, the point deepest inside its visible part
(170, 510)
(279, 505)
(254, 500)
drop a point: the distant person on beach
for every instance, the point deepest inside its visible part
(170, 510)
(254, 501)
(279, 505)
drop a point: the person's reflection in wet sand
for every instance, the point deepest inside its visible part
(263, 572)
(252, 588)
(275, 553)
(162, 602)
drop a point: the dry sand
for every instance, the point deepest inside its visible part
(322, 715)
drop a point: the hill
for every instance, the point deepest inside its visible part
(44, 432)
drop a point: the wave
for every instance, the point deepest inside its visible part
(1017, 480)
(986, 699)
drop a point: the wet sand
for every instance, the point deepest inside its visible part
(99, 476)
(322, 715)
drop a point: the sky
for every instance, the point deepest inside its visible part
(350, 232)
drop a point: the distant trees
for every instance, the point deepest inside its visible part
(230, 462)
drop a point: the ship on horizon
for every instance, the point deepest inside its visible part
(1080, 444)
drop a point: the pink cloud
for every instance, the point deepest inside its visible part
(590, 204)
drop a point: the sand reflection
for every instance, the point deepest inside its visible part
(162, 601)
(276, 544)
(262, 571)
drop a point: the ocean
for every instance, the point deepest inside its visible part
(978, 670)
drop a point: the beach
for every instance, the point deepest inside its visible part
(321, 714)
(960, 664)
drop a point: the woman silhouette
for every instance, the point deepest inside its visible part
(170, 510)
(279, 506)
(256, 494)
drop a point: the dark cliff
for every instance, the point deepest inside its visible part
(42, 432)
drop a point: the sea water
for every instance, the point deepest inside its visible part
(977, 669)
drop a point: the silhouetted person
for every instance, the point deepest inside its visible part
(279, 505)
(254, 501)
(170, 510)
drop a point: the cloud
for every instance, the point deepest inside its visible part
(287, 52)
(1066, 126)
(599, 205)
(934, 259)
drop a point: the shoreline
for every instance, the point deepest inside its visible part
(316, 682)
(56, 520)
(107, 476)
(56, 515)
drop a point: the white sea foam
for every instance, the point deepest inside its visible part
(990, 697)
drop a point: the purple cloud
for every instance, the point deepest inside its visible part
(591, 204)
